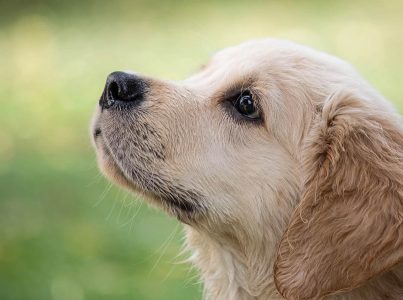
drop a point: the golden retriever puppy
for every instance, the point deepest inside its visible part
(284, 165)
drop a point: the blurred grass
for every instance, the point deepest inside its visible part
(65, 234)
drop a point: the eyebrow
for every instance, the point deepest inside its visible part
(238, 87)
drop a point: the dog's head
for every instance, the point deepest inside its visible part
(267, 138)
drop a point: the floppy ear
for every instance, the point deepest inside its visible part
(348, 225)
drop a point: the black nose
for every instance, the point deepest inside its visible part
(123, 88)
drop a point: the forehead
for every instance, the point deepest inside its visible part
(233, 63)
(258, 59)
(269, 62)
(250, 53)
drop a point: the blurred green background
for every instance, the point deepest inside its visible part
(65, 233)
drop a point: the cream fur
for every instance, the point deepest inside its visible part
(269, 196)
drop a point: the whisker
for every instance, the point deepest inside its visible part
(97, 178)
(123, 201)
(135, 215)
(113, 207)
(165, 247)
(103, 195)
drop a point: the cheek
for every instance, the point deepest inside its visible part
(239, 178)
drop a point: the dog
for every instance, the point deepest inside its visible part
(283, 164)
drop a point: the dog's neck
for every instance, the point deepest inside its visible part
(230, 273)
(237, 262)
(231, 269)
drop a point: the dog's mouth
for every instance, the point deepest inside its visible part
(182, 203)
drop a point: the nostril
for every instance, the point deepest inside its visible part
(113, 91)
(122, 87)
(122, 90)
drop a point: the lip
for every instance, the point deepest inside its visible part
(175, 205)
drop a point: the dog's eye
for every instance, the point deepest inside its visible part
(245, 105)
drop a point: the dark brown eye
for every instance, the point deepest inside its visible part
(245, 105)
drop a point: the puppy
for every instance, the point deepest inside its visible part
(284, 165)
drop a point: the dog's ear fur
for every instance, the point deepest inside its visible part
(348, 226)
